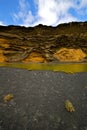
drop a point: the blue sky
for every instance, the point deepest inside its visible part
(46, 12)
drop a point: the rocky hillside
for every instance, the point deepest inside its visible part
(66, 42)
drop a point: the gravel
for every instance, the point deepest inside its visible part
(39, 97)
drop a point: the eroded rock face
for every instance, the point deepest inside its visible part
(35, 57)
(69, 55)
(43, 43)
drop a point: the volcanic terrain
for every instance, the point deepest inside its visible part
(44, 44)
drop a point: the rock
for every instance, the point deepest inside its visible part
(69, 55)
(35, 57)
(17, 43)
(69, 106)
(8, 97)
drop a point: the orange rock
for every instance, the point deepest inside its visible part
(69, 55)
(4, 42)
(2, 57)
(35, 57)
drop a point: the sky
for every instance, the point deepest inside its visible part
(47, 12)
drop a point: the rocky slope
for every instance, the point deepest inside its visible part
(66, 42)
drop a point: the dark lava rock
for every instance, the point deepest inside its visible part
(39, 100)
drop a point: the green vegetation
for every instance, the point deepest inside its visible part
(61, 67)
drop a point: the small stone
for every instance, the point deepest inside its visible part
(69, 106)
(8, 97)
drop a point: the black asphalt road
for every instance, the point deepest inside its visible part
(39, 97)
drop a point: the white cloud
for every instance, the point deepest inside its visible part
(49, 12)
(1, 23)
(24, 14)
(54, 12)
(67, 18)
(83, 3)
(82, 8)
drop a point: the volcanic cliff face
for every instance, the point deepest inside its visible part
(66, 42)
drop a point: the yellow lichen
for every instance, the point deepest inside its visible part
(69, 55)
(69, 106)
(8, 97)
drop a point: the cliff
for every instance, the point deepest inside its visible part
(66, 42)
